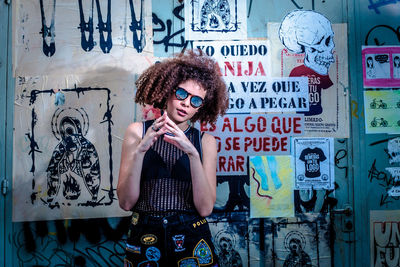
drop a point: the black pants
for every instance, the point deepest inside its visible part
(177, 240)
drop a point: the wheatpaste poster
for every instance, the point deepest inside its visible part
(215, 20)
(384, 237)
(67, 141)
(271, 186)
(314, 163)
(382, 111)
(62, 37)
(381, 66)
(307, 44)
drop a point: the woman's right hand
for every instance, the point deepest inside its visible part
(155, 130)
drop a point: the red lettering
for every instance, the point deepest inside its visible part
(218, 143)
(260, 69)
(221, 165)
(231, 164)
(247, 143)
(261, 124)
(239, 68)
(296, 125)
(251, 129)
(236, 145)
(239, 163)
(227, 143)
(229, 67)
(227, 123)
(250, 70)
(236, 129)
(284, 144)
(203, 127)
(287, 124)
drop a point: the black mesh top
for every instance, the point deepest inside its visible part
(166, 184)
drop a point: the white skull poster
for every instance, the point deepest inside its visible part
(67, 145)
(307, 44)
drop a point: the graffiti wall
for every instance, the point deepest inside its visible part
(282, 87)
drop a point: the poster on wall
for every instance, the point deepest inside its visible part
(306, 44)
(67, 145)
(246, 69)
(314, 163)
(215, 20)
(229, 239)
(242, 135)
(271, 186)
(384, 241)
(394, 150)
(382, 111)
(381, 66)
(394, 191)
(63, 37)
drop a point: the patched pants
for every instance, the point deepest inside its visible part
(177, 240)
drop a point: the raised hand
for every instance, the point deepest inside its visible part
(174, 135)
(155, 130)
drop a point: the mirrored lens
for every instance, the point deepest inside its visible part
(196, 101)
(181, 94)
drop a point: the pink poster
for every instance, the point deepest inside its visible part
(381, 66)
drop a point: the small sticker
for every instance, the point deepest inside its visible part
(188, 262)
(178, 241)
(198, 223)
(203, 252)
(153, 254)
(133, 249)
(60, 99)
(135, 218)
(148, 239)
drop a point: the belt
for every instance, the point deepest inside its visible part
(170, 220)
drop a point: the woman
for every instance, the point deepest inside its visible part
(168, 168)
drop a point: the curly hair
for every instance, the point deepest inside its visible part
(157, 83)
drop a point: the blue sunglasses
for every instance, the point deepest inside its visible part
(182, 94)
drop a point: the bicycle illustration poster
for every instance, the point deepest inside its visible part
(381, 111)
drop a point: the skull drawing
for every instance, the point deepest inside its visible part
(311, 33)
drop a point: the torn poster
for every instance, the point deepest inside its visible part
(67, 145)
(314, 163)
(215, 20)
(394, 191)
(381, 66)
(271, 186)
(394, 150)
(384, 237)
(382, 111)
(65, 37)
(307, 44)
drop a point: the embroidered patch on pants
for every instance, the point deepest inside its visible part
(133, 249)
(148, 239)
(188, 262)
(198, 223)
(135, 218)
(153, 254)
(202, 251)
(179, 240)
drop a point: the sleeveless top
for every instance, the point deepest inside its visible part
(166, 181)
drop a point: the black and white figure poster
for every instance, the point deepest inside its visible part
(307, 44)
(67, 145)
(63, 37)
(215, 20)
(381, 66)
(314, 167)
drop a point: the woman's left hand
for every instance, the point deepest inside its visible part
(177, 137)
